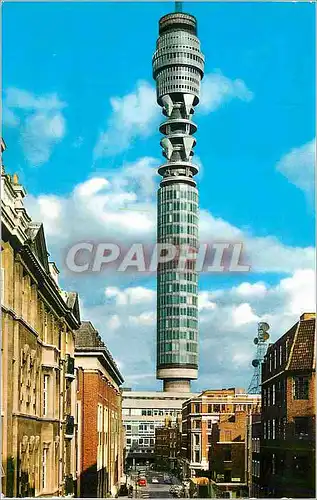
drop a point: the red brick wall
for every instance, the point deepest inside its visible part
(89, 397)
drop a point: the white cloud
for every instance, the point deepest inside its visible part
(42, 122)
(132, 295)
(243, 314)
(9, 118)
(40, 133)
(136, 114)
(217, 89)
(114, 322)
(133, 115)
(120, 207)
(298, 166)
(227, 327)
(114, 207)
(261, 253)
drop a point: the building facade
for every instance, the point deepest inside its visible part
(254, 448)
(228, 458)
(178, 67)
(289, 412)
(143, 413)
(198, 417)
(168, 442)
(38, 394)
(99, 415)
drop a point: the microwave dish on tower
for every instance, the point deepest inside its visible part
(261, 347)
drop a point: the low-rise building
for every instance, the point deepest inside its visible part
(289, 412)
(198, 416)
(228, 453)
(38, 394)
(99, 414)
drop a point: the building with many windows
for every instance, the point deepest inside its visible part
(143, 413)
(200, 413)
(38, 393)
(100, 438)
(178, 67)
(289, 413)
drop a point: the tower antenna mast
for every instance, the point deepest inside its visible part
(178, 6)
(261, 347)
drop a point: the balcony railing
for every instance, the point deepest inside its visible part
(70, 367)
(70, 427)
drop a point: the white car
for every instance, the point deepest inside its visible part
(154, 480)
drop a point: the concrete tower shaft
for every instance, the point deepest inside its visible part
(178, 67)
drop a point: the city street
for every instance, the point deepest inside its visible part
(158, 489)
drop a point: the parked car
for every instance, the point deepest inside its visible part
(142, 481)
(155, 480)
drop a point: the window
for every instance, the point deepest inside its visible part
(209, 408)
(45, 394)
(196, 439)
(283, 427)
(209, 424)
(301, 427)
(209, 439)
(275, 358)
(44, 468)
(268, 396)
(300, 387)
(273, 393)
(264, 398)
(217, 408)
(227, 454)
(281, 354)
(273, 428)
(197, 424)
(227, 435)
(197, 456)
(2, 285)
(273, 464)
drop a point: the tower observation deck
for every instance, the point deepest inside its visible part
(178, 67)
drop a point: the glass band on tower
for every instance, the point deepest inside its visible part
(178, 67)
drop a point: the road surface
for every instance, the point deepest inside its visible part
(156, 490)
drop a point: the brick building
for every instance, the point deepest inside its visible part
(288, 413)
(254, 430)
(99, 409)
(198, 416)
(228, 453)
(38, 394)
(168, 442)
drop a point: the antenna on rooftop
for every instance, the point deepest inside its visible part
(178, 6)
(261, 347)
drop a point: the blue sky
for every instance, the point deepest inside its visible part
(77, 75)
